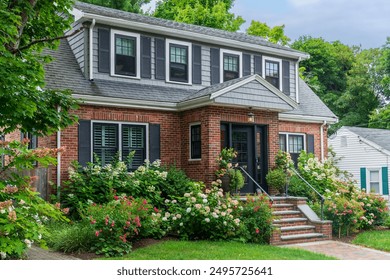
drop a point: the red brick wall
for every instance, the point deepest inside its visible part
(307, 128)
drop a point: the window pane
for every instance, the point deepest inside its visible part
(295, 143)
(272, 73)
(178, 64)
(105, 142)
(133, 139)
(196, 142)
(374, 188)
(374, 176)
(230, 67)
(282, 142)
(125, 56)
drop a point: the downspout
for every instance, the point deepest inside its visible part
(91, 49)
(58, 160)
(322, 142)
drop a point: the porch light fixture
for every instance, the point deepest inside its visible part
(251, 117)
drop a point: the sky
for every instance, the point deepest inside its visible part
(353, 22)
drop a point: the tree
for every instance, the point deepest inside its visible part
(26, 28)
(274, 35)
(209, 13)
(380, 118)
(133, 6)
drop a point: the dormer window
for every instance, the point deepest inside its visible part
(272, 71)
(231, 69)
(125, 58)
(179, 65)
(231, 65)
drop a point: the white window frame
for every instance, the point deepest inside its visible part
(292, 133)
(168, 42)
(137, 52)
(189, 144)
(120, 135)
(278, 60)
(368, 179)
(226, 51)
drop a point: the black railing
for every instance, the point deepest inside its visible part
(308, 184)
(257, 184)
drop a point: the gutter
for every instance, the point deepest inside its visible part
(91, 49)
(322, 141)
(306, 118)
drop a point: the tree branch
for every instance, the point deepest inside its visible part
(47, 40)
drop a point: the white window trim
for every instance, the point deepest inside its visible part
(292, 133)
(120, 135)
(168, 59)
(189, 145)
(368, 181)
(137, 52)
(221, 54)
(278, 60)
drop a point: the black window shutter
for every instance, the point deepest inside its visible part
(258, 65)
(196, 64)
(84, 142)
(154, 142)
(286, 77)
(146, 57)
(310, 143)
(246, 64)
(160, 59)
(104, 50)
(214, 60)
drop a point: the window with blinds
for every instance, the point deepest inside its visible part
(133, 139)
(105, 142)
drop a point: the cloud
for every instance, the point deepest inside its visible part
(301, 3)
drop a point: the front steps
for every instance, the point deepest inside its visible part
(295, 223)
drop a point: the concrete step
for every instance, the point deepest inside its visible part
(294, 228)
(302, 237)
(285, 212)
(283, 206)
(290, 221)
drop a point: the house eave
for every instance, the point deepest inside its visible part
(307, 118)
(372, 144)
(188, 35)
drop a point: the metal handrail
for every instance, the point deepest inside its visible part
(307, 183)
(257, 184)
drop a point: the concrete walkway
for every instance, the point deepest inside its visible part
(36, 253)
(342, 251)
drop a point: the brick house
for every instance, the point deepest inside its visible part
(180, 93)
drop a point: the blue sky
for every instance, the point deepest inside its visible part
(353, 22)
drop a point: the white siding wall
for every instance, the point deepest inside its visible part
(357, 154)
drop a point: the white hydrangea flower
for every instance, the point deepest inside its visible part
(3, 255)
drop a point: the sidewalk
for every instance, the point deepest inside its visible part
(342, 251)
(36, 253)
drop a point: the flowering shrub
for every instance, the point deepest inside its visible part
(22, 211)
(119, 222)
(203, 215)
(256, 217)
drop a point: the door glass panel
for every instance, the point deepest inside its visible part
(240, 144)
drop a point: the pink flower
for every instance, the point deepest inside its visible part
(93, 222)
(257, 231)
(65, 211)
(97, 233)
(112, 224)
(144, 202)
(116, 197)
(155, 209)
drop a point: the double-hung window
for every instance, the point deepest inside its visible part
(125, 56)
(272, 69)
(179, 65)
(292, 143)
(231, 65)
(195, 141)
(374, 181)
(111, 140)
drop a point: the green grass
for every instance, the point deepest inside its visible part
(207, 250)
(374, 239)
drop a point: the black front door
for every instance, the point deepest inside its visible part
(251, 144)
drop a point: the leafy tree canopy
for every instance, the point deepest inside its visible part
(380, 118)
(274, 35)
(26, 28)
(209, 13)
(133, 6)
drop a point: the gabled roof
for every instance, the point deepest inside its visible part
(120, 18)
(380, 137)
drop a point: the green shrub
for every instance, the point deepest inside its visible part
(78, 237)
(387, 222)
(176, 184)
(277, 178)
(117, 223)
(22, 212)
(237, 180)
(256, 217)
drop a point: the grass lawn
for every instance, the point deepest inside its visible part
(207, 250)
(374, 239)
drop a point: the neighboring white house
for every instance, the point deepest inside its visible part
(364, 152)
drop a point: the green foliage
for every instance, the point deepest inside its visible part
(283, 160)
(380, 118)
(209, 13)
(24, 33)
(22, 211)
(76, 237)
(256, 216)
(133, 6)
(277, 178)
(274, 35)
(237, 180)
(118, 222)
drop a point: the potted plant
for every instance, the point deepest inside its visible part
(277, 179)
(232, 179)
(236, 179)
